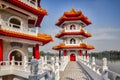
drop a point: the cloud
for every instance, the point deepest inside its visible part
(105, 34)
(106, 30)
(108, 34)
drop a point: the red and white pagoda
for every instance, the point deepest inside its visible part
(73, 34)
(19, 23)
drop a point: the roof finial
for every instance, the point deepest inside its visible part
(73, 7)
(72, 10)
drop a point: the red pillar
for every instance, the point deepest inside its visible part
(36, 52)
(59, 54)
(65, 52)
(86, 54)
(1, 50)
(80, 53)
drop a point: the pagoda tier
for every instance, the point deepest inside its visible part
(40, 37)
(73, 35)
(19, 29)
(39, 12)
(81, 46)
(81, 33)
(72, 16)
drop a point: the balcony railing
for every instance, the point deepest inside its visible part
(18, 28)
(31, 3)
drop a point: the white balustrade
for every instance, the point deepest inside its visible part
(13, 61)
(53, 62)
(63, 63)
(24, 66)
(57, 69)
(45, 60)
(42, 63)
(93, 60)
(25, 62)
(100, 70)
(104, 68)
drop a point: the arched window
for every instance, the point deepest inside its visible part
(72, 27)
(72, 41)
(14, 22)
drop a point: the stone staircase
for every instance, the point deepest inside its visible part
(73, 71)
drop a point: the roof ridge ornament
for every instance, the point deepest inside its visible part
(72, 10)
(73, 15)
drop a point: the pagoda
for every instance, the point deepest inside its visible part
(19, 24)
(73, 35)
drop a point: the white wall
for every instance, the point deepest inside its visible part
(7, 50)
(6, 15)
(67, 41)
(67, 27)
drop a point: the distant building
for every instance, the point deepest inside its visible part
(73, 35)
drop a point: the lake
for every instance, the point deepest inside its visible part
(112, 65)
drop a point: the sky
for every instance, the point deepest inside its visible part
(104, 14)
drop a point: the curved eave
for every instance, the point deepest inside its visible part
(40, 37)
(73, 33)
(39, 12)
(82, 46)
(73, 15)
(72, 19)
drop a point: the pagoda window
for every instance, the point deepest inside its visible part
(14, 22)
(72, 41)
(32, 1)
(72, 27)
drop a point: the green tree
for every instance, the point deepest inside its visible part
(42, 53)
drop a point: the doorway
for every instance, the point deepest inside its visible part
(72, 57)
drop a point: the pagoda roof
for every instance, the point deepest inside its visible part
(73, 15)
(39, 12)
(81, 32)
(81, 46)
(40, 37)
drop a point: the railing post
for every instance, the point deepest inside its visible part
(104, 69)
(88, 59)
(13, 61)
(57, 61)
(53, 66)
(93, 63)
(42, 61)
(84, 58)
(57, 64)
(93, 60)
(32, 57)
(45, 60)
(40, 64)
(25, 63)
(88, 62)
